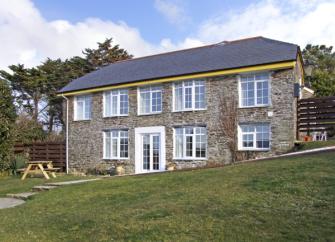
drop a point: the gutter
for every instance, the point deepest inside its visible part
(67, 133)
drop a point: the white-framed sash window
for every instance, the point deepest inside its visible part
(255, 136)
(254, 89)
(149, 100)
(116, 103)
(190, 143)
(189, 95)
(82, 107)
(116, 144)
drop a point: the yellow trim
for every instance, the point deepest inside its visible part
(289, 64)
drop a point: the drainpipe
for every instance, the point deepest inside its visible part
(67, 133)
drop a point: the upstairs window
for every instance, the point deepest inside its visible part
(116, 103)
(116, 144)
(254, 136)
(254, 90)
(82, 107)
(189, 95)
(150, 100)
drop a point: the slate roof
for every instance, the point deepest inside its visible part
(221, 56)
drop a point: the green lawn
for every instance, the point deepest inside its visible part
(315, 144)
(288, 199)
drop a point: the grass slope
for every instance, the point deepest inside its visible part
(315, 144)
(288, 199)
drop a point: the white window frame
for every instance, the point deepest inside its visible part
(183, 93)
(75, 108)
(193, 157)
(151, 92)
(118, 105)
(255, 90)
(254, 148)
(111, 144)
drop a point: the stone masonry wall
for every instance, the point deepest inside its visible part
(86, 139)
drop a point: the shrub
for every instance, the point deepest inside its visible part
(7, 120)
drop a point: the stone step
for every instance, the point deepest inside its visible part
(42, 188)
(10, 202)
(22, 195)
(71, 182)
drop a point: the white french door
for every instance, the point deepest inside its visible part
(151, 152)
(149, 149)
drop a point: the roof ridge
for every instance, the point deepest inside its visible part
(165, 53)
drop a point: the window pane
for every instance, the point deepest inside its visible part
(114, 148)
(189, 146)
(80, 110)
(146, 152)
(262, 136)
(201, 142)
(107, 104)
(123, 144)
(124, 102)
(87, 107)
(178, 97)
(107, 145)
(179, 142)
(157, 101)
(199, 94)
(188, 97)
(145, 102)
(114, 104)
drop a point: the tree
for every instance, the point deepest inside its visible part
(227, 123)
(105, 54)
(322, 60)
(28, 85)
(7, 120)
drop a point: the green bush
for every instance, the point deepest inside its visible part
(7, 121)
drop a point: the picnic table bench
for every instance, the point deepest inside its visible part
(39, 167)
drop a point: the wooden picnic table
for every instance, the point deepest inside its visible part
(38, 167)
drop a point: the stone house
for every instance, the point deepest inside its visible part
(164, 109)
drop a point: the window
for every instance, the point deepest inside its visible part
(116, 144)
(190, 143)
(116, 103)
(254, 136)
(189, 95)
(254, 90)
(150, 100)
(82, 107)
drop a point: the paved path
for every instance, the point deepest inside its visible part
(13, 200)
(10, 202)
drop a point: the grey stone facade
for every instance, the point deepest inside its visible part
(86, 139)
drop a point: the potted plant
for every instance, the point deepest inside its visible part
(120, 168)
(171, 166)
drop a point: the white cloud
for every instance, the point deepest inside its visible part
(172, 11)
(28, 38)
(297, 21)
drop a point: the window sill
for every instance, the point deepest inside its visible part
(116, 159)
(257, 106)
(191, 159)
(116, 116)
(147, 114)
(189, 110)
(253, 149)
(79, 120)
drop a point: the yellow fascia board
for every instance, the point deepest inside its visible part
(282, 65)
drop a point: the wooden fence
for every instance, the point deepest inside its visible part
(316, 114)
(54, 151)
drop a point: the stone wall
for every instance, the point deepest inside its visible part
(86, 142)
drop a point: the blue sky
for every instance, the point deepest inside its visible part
(142, 14)
(32, 30)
